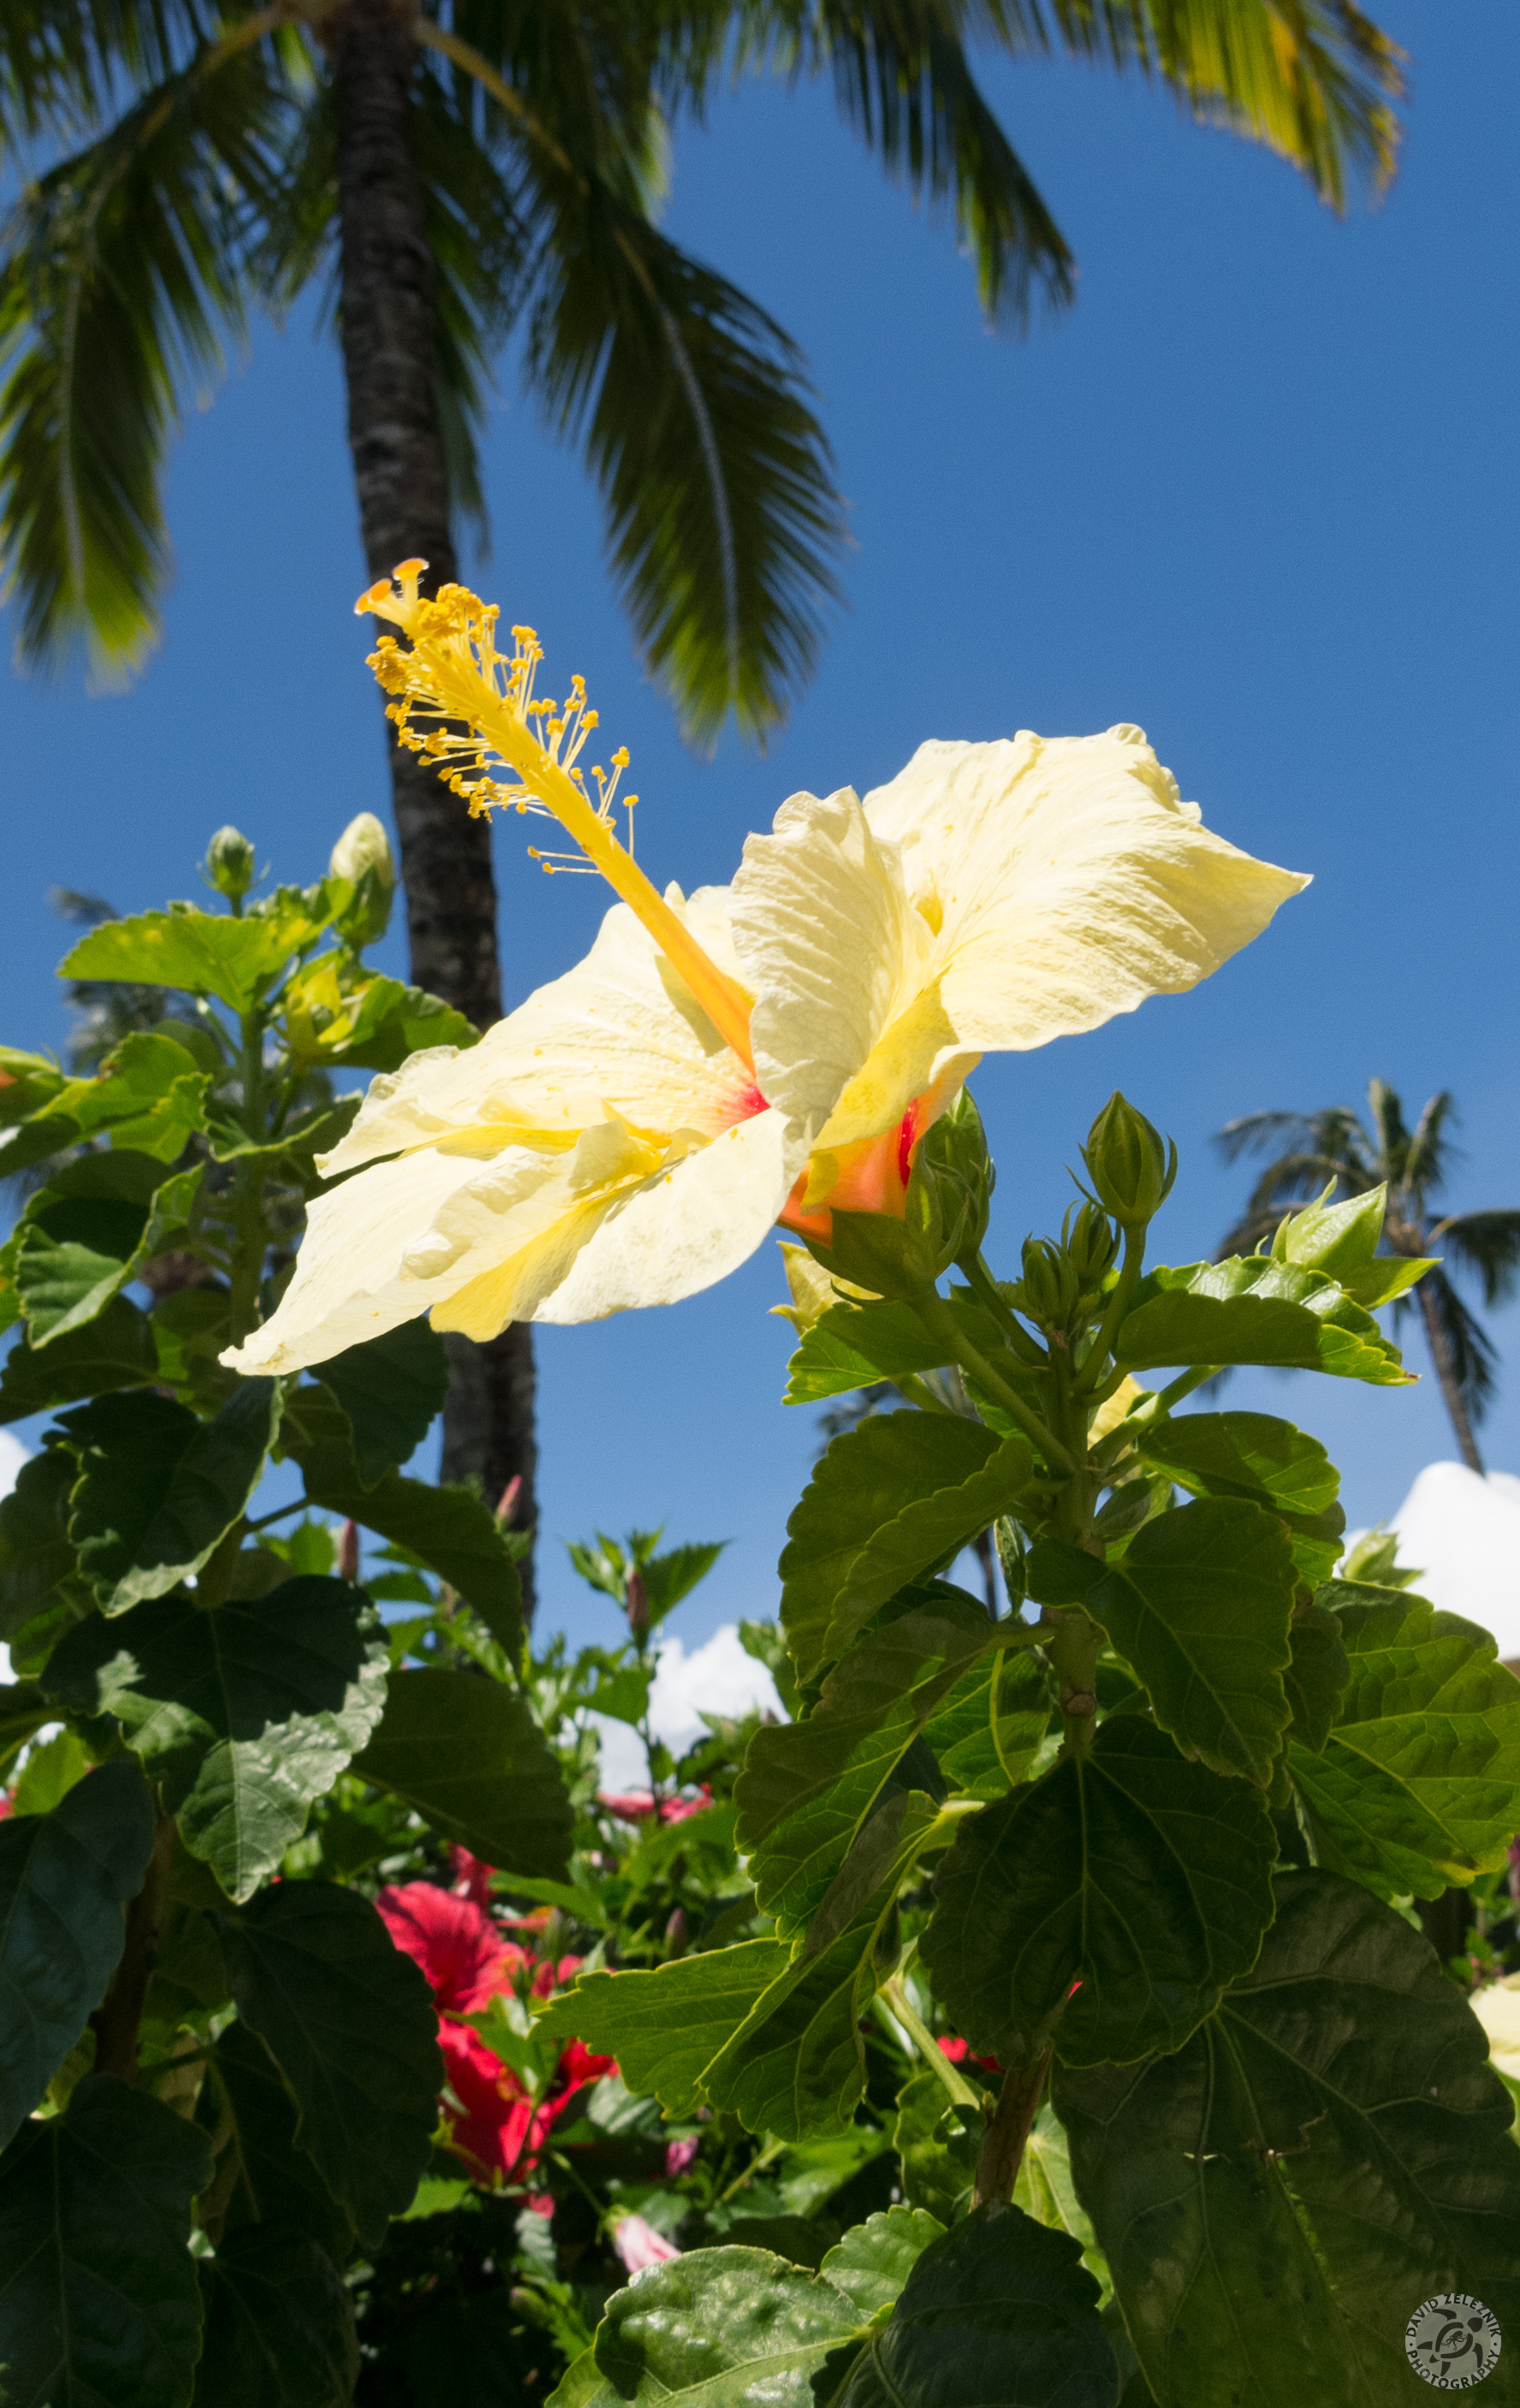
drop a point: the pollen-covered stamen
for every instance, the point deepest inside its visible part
(472, 711)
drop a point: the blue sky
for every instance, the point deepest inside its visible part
(1257, 492)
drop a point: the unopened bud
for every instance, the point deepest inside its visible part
(1091, 1239)
(363, 856)
(636, 1596)
(950, 1191)
(1131, 1166)
(675, 1931)
(348, 1552)
(1050, 1284)
(507, 1502)
(229, 863)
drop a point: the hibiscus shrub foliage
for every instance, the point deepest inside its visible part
(1038, 2013)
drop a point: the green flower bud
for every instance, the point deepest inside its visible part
(1091, 1239)
(1131, 1166)
(1051, 1286)
(363, 857)
(229, 863)
(950, 1188)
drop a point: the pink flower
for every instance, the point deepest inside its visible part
(636, 1805)
(639, 2244)
(455, 1942)
(959, 2054)
(471, 1878)
(678, 2154)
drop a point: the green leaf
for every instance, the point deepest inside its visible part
(736, 2326)
(150, 1093)
(299, 1141)
(114, 1351)
(1318, 1677)
(91, 1231)
(243, 1712)
(349, 2022)
(190, 1328)
(1341, 1239)
(1264, 1462)
(28, 1082)
(1046, 2191)
(51, 1770)
(795, 2065)
(400, 1020)
(999, 2310)
(265, 2178)
(64, 1878)
(1330, 2149)
(1418, 1785)
(159, 1490)
(454, 1532)
(201, 953)
(1251, 1310)
(98, 2296)
(666, 2027)
(1144, 1877)
(937, 2143)
(391, 1389)
(35, 1557)
(467, 1754)
(852, 1345)
(1200, 1607)
(889, 1501)
(874, 2259)
(991, 1731)
(23, 1709)
(280, 2330)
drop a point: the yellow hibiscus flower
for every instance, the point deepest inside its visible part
(772, 1050)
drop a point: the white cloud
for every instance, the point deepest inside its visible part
(718, 1678)
(1462, 1534)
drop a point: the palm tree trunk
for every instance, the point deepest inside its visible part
(1441, 1355)
(387, 322)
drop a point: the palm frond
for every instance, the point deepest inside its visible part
(120, 287)
(1474, 1357)
(1430, 1154)
(61, 61)
(1315, 80)
(1486, 1244)
(716, 476)
(1390, 1133)
(1335, 1137)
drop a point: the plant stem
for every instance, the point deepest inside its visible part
(118, 2018)
(1002, 2151)
(935, 2059)
(942, 1326)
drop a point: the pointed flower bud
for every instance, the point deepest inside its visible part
(363, 857)
(229, 863)
(637, 1597)
(1130, 1164)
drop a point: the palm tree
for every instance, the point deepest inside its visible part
(457, 169)
(1334, 1151)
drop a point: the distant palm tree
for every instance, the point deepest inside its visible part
(1335, 1147)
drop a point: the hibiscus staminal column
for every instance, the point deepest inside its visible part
(470, 709)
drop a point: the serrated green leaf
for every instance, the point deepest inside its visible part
(455, 1534)
(114, 1351)
(1144, 1877)
(467, 1754)
(1045, 2190)
(938, 2142)
(51, 1770)
(92, 1230)
(150, 1093)
(158, 1490)
(279, 2330)
(666, 2027)
(1251, 1310)
(400, 1020)
(889, 1501)
(28, 1082)
(23, 1709)
(736, 2326)
(190, 1327)
(349, 2022)
(1417, 1787)
(314, 1133)
(200, 953)
(1277, 2199)
(243, 1712)
(852, 1345)
(35, 1557)
(991, 1731)
(1200, 1606)
(98, 2296)
(391, 1389)
(874, 2259)
(1318, 1677)
(264, 2178)
(795, 2065)
(1266, 1462)
(64, 1878)
(1001, 2312)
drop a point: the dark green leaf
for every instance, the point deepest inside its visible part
(1265, 1461)
(76, 1253)
(1144, 1877)
(265, 2178)
(999, 2312)
(989, 1732)
(202, 952)
(158, 1489)
(243, 1712)
(98, 2297)
(190, 1328)
(351, 2024)
(666, 2027)
(392, 1388)
(1418, 1785)
(280, 2327)
(114, 1351)
(1329, 2150)
(65, 1879)
(23, 1709)
(937, 2143)
(455, 1533)
(35, 1557)
(889, 1501)
(1045, 2190)
(1318, 1677)
(1251, 1310)
(739, 2326)
(874, 2259)
(1200, 1606)
(467, 1754)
